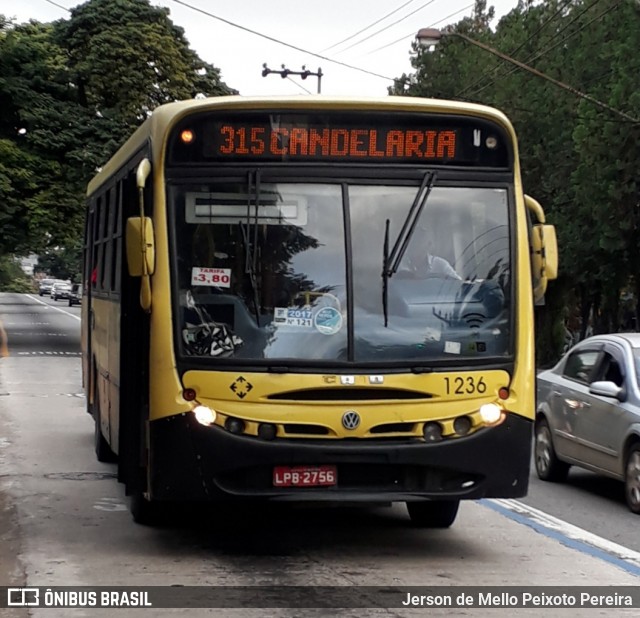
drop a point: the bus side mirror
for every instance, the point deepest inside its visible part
(549, 250)
(141, 254)
(544, 258)
(140, 261)
(544, 250)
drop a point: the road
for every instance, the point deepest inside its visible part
(65, 520)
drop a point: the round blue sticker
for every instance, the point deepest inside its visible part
(328, 321)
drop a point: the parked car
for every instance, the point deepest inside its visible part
(588, 413)
(45, 286)
(75, 295)
(60, 290)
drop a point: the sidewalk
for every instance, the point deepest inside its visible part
(11, 571)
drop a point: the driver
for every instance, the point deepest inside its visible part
(423, 261)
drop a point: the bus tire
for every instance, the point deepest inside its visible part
(433, 514)
(103, 451)
(144, 512)
(548, 466)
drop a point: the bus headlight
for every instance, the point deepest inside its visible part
(204, 415)
(490, 413)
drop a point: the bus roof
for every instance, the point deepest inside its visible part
(165, 116)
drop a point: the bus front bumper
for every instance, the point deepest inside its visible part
(192, 462)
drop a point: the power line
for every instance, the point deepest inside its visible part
(64, 8)
(535, 56)
(293, 81)
(367, 27)
(387, 27)
(577, 117)
(413, 33)
(517, 49)
(539, 53)
(548, 78)
(279, 42)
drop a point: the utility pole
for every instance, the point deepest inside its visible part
(284, 73)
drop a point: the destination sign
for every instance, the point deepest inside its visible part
(338, 142)
(340, 137)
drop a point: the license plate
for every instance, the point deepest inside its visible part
(305, 476)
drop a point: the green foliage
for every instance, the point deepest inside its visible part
(62, 263)
(12, 277)
(578, 159)
(71, 92)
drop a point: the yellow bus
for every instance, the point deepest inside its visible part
(315, 299)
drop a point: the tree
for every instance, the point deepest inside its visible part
(577, 159)
(71, 93)
(12, 279)
(445, 71)
(126, 57)
(606, 174)
(29, 66)
(62, 263)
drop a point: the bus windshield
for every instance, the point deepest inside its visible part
(294, 270)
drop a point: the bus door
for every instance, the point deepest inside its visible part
(134, 338)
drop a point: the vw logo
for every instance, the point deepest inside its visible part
(350, 419)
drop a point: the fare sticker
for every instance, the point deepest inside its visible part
(219, 277)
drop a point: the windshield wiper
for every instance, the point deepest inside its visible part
(251, 246)
(391, 261)
(385, 277)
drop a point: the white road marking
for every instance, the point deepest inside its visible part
(30, 323)
(48, 353)
(15, 333)
(570, 531)
(109, 504)
(75, 317)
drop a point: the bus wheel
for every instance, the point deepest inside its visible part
(548, 466)
(436, 514)
(143, 511)
(101, 446)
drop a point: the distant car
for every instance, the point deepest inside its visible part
(45, 286)
(588, 413)
(60, 289)
(75, 295)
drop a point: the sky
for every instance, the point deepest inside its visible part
(380, 52)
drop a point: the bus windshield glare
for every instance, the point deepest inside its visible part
(293, 270)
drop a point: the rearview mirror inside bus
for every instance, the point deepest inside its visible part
(140, 246)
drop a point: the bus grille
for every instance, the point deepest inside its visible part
(393, 428)
(348, 394)
(308, 430)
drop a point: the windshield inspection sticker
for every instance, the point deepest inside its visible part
(328, 321)
(293, 316)
(220, 277)
(452, 347)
